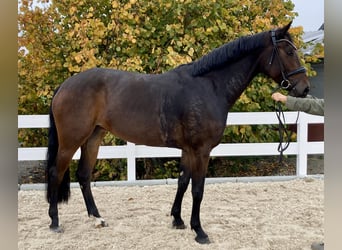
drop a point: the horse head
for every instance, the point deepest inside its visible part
(282, 63)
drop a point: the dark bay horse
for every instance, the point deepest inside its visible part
(185, 108)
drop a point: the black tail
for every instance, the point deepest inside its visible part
(51, 169)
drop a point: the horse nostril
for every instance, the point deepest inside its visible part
(306, 91)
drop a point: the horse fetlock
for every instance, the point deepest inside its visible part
(54, 220)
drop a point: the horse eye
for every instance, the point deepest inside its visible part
(290, 53)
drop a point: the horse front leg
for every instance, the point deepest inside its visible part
(197, 196)
(183, 182)
(199, 170)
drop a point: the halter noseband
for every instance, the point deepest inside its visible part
(285, 83)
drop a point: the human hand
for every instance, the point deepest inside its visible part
(279, 97)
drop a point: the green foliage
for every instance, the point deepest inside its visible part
(157, 168)
(110, 170)
(150, 36)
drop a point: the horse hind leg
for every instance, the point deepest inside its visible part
(86, 164)
(59, 186)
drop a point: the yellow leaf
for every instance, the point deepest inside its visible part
(72, 10)
(115, 4)
(191, 52)
(170, 49)
(78, 58)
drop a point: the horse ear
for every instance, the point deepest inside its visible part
(287, 27)
(282, 31)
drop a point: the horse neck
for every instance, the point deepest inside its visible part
(234, 78)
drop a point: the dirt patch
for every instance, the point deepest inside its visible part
(260, 215)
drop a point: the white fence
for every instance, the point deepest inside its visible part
(302, 148)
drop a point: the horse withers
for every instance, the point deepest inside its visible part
(185, 108)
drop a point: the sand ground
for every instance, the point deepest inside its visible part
(258, 215)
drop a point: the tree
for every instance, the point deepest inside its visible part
(150, 36)
(67, 37)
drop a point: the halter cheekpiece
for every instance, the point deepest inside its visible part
(285, 83)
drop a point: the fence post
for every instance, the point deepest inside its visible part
(130, 161)
(302, 140)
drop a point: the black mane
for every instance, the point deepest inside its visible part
(230, 51)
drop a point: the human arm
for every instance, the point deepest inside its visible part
(309, 104)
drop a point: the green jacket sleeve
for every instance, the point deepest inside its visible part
(310, 104)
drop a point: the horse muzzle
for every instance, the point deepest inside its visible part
(298, 88)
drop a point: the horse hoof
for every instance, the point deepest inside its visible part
(99, 222)
(202, 240)
(178, 225)
(57, 229)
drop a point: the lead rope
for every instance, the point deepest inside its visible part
(284, 134)
(282, 131)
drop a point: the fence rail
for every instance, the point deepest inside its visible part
(301, 148)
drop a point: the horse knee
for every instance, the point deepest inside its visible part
(197, 195)
(183, 182)
(197, 189)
